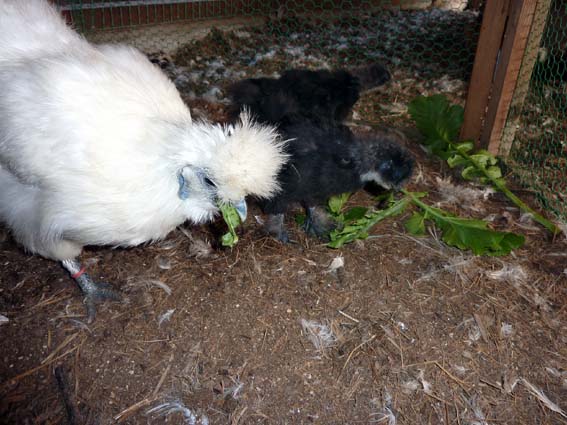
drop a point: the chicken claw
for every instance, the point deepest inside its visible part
(94, 292)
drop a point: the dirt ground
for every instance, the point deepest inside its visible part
(407, 331)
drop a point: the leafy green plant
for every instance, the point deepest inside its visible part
(463, 233)
(440, 123)
(232, 219)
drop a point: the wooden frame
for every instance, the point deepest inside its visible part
(501, 53)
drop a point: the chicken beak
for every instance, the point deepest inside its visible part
(242, 209)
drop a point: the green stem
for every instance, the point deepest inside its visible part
(415, 199)
(517, 201)
(370, 221)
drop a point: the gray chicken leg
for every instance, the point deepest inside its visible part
(275, 226)
(318, 222)
(94, 292)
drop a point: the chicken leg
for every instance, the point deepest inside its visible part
(94, 292)
(318, 222)
(275, 226)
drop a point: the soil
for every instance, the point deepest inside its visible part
(407, 331)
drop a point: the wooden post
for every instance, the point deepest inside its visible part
(507, 71)
(523, 84)
(489, 42)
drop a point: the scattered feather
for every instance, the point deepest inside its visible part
(79, 324)
(539, 394)
(385, 414)
(479, 416)
(554, 372)
(424, 384)
(460, 370)
(148, 283)
(164, 263)
(213, 95)
(563, 227)
(198, 248)
(337, 263)
(170, 407)
(233, 391)
(165, 317)
(506, 330)
(526, 221)
(513, 273)
(463, 196)
(320, 334)
(517, 276)
(3, 319)
(395, 108)
(509, 382)
(410, 386)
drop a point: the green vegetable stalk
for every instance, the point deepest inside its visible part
(463, 233)
(357, 222)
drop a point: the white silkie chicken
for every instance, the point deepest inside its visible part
(97, 147)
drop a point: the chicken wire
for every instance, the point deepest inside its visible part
(429, 37)
(537, 124)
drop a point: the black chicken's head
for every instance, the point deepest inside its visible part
(385, 161)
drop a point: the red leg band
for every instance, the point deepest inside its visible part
(79, 273)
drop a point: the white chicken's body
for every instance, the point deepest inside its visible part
(92, 141)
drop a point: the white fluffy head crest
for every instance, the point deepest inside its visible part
(248, 161)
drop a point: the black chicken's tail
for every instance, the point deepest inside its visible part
(371, 76)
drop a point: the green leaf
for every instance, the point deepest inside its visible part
(437, 120)
(471, 172)
(232, 219)
(355, 213)
(336, 203)
(483, 159)
(229, 239)
(465, 233)
(465, 146)
(416, 224)
(300, 219)
(494, 172)
(475, 235)
(457, 160)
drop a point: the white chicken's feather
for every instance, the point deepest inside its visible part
(92, 140)
(43, 34)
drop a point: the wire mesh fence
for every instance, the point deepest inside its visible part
(428, 45)
(537, 125)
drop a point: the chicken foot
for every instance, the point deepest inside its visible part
(318, 222)
(94, 292)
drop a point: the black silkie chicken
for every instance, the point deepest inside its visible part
(326, 158)
(322, 97)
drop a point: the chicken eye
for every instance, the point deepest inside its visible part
(209, 182)
(386, 166)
